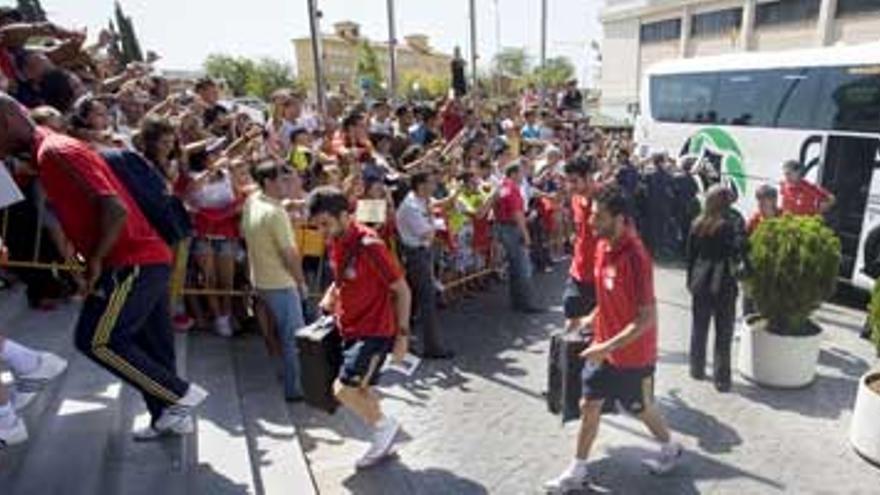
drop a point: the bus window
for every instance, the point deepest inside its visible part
(767, 98)
(850, 99)
(797, 102)
(747, 98)
(683, 98)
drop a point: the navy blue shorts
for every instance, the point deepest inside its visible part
(578, 299)
(633, 388)
(362, 360)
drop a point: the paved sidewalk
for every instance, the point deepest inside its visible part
(479, 423)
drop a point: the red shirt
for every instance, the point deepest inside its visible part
(75, 177)
(624, 282)
(365, 305)
(803, 198)
(584, 242)
(510, 201)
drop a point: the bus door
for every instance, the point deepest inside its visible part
(848, 172)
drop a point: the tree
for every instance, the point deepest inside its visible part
(248, 77)
(270, 75)
(512, 62)
(422, 86)
(130, 48)
(31, 10)
(556, 72)
(236, 71)
(368, 71)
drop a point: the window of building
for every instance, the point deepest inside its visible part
(849, 7)
(655, 32)
(716, 23)
(786, 11)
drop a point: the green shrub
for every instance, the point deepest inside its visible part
(874, 315)
(794, 265)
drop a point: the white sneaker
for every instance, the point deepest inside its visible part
(669, 457)
(48, 368)
(195, 395)
(14, 434)
(383, 441)
(573, 478)
(174, 421)
(223, 326)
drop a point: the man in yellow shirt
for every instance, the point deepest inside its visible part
(275, 264)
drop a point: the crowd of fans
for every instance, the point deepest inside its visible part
(207, 149)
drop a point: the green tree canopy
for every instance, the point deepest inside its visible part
(31, 10)
(368, 69)
(557, 71)
(512, 62)
(130, 47)
(252, 77)
(422, 86)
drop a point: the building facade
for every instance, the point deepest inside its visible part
(340, 52)
(639, 33)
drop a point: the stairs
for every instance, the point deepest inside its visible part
(80, 426)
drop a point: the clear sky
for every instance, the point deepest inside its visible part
(184, 32)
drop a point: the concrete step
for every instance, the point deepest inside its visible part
(221, 442)
(80, 426)
(276, 455)
(13, 302)
(71, 423)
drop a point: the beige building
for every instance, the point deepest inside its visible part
(340, 55)
(638, 33)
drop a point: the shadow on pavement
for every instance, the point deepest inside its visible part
(712, 435)
(396, 477)
(827, 397)
(622, 472)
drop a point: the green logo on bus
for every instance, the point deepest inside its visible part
(716, 147)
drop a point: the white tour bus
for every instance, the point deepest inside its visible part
(745, 114)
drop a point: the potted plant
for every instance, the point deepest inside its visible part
(864, 432)
(794, 261)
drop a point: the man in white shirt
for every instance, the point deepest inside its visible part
(415, 224)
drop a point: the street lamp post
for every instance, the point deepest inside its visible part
(392, 53)
(543, 48)
(473, 9)
(316, 53)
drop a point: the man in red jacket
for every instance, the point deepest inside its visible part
(579, 298)
(621, 360)
(371, 302)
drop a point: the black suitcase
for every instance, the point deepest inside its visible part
(320, 357)
(564, 366)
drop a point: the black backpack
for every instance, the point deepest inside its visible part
(872, 253)
(164, 211)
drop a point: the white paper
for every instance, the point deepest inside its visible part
(371, 211)
(9, 192)
(406, 367)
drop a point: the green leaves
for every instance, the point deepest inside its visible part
(248, 77)
(795, 261)
(874, 315)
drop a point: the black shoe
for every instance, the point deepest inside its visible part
(294, 400)
(722, 386)
(698, 375)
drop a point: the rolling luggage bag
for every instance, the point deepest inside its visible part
(320, 356)
(564, 366)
